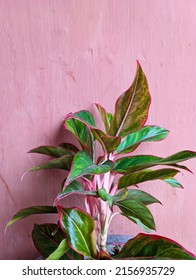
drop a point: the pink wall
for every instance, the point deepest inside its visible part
(61, 56)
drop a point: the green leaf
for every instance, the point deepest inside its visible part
(108, 143)
(63, 162)
(151, 246)
(178, 157)
(85, 116)
(140, 162)
(133, 210)
(131, 108)
(79, 228)
(139, 223)
(74, 187)
(135, 163)
(145, 134)
(105, 117)
(83, 165)
(52, 151)
(78, 123)
(69, 146)
(47, 238)
(60, 251)
(145, 175)
(110, 117)
(23, 213)
(141, 196)
(120, 195)
(173, 182)
(81, 132)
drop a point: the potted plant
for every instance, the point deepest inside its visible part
(107, 180)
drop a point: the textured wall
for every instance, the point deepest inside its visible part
(61, 56)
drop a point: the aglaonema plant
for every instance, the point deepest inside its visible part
(107, 181)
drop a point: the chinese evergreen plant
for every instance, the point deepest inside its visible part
(107, 180)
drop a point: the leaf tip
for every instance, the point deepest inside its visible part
(6, 227)
(138, 63)
(24, 175)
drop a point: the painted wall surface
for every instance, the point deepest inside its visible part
(64, 55)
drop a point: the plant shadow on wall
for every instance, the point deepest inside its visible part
(107, 180)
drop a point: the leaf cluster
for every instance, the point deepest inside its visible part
(107, 180)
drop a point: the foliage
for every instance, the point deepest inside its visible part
(107, 180)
